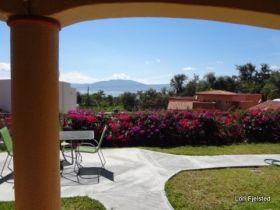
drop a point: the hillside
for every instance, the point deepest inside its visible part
(116, 87)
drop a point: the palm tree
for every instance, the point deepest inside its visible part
(177, 83)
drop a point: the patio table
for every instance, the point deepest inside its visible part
(72, 136)
(76, 135)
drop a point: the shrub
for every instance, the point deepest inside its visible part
(261, 125)
(174, 128)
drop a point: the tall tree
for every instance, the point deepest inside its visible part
(128, 100)
(177, 83)
(246, 72)
(220, 83)
(98, 97)
(252, 80)
(247, 78)
(151, 99)
(226, 83)
(88, 99)
(79, 98)
(271, 88)
(210, 79)
(110, 100)
(191, 86)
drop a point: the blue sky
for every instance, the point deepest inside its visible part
(152, 50)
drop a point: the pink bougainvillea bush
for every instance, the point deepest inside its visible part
(261, 125)
(173, 128)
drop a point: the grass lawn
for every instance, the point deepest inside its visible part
(221, 188)
(235, 149)
(74, 203)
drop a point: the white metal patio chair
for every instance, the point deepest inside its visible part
(92, 148)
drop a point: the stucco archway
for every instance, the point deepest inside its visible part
(265, 13)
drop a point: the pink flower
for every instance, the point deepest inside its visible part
(254, 112)
(187, 115)
(228, 120)
(109, 137)
(246, 119)
(124, 117)
(114, 126)
(90, 119)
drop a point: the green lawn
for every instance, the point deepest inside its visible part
(221, 150)
(74, 203)
(221, 188)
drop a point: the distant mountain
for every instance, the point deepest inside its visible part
(117, 87)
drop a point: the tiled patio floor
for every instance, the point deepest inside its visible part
(139, 176)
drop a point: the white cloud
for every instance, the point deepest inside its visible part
(76, 77)
(153, 61)
(119, 76)
(188, 68)
(275, 67)
(147, 62)
(219, 62)
(5, 66)
(5, 70)
(209, 68)
(5, 75)
(160, 79)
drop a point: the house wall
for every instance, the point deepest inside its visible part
(204, 105)
(247, 104)
(248, 97)
(223, 102)
(229, 102)
(247, 100)
(67, 96)
(5, 95)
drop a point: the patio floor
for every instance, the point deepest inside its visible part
(139, 176)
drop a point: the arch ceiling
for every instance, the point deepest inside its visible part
(264, 13)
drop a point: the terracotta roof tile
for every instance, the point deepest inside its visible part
(267, 105)
(182, 98)
(216, 92)
(179, 105)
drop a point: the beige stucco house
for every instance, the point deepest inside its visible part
(67, 96)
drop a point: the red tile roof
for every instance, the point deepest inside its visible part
(267, 105)
(216, 92)
(180, 105)
(182, 98)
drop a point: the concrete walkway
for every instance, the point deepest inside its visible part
(140, 176)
